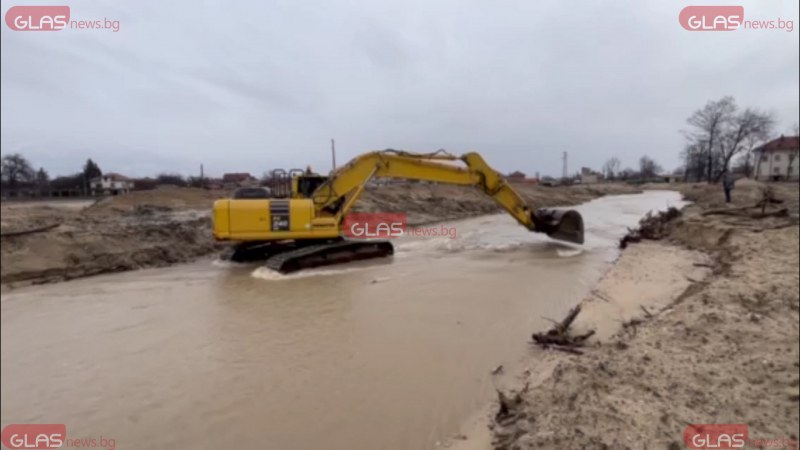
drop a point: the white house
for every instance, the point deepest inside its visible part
(110, 184)
(778, 159)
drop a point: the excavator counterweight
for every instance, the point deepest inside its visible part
(296, 223)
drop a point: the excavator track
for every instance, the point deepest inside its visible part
(328, 254)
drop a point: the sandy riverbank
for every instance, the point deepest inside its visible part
(616, 299)
(166, 226)
(701, 327)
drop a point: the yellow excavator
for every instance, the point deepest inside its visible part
(296, 222)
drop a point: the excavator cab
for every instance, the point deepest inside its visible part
(294, 183)
(303, 186)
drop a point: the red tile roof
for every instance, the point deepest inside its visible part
(782, 143)
(116, 177)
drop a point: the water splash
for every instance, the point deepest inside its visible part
(264, 273)
(568, 252)
(226, 264)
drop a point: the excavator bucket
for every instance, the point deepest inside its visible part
(563, 225)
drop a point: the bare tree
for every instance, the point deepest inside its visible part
(709, 123)
(42, 181)
(648, 168)
(611, 168)
(16, 170)
(744, 164)
(695, 161)
(42, 177)
(720, 133)
(750, 162)
(743, 130)
(627, 174)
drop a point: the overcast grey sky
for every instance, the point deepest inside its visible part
(249, 86)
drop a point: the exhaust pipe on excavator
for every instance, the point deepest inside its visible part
(563, 225)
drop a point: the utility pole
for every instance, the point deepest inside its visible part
(333, 153)
(564, 170)
(202, 178)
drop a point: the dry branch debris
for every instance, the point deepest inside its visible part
(559, 337)
(652, 227)
(509, 404)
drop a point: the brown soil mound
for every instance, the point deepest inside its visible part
(434, 202)
(173, 198)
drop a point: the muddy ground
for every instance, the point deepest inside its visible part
(166, 226)
(703, 329)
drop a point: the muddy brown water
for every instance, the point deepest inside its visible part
(391, 355)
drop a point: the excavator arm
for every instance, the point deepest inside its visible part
(338, 195)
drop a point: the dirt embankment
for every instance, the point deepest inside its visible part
(700, 327)
(47, 241)
(425, 203)
(54, 241)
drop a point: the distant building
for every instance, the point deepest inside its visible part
(238, 179)
(778, 159)
(110, 184)
(517, 176)
(589, 176)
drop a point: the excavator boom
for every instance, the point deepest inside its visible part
(349, 181)
(302, 228)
